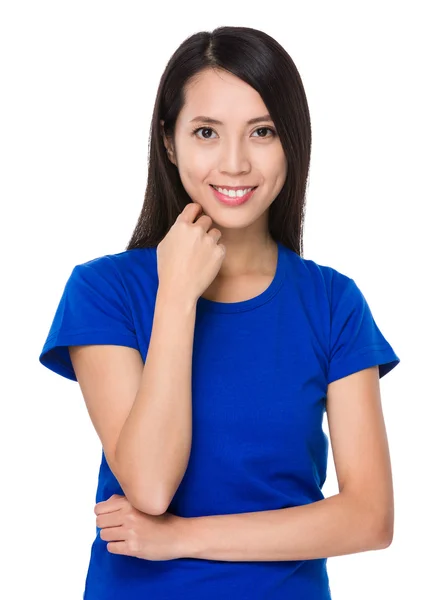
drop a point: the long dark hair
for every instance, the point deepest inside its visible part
(260, 61)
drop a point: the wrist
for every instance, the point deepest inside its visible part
(172, 298)
(187, 544)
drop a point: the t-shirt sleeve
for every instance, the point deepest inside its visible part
(356, 341)
(93, 309)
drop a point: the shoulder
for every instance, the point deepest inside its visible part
(121, 260)
(119, 268)
(326, 273)
(320, 278)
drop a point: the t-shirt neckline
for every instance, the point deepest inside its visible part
(251, 303)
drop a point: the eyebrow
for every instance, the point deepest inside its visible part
(216, 122)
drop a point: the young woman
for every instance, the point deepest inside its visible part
(208, 351)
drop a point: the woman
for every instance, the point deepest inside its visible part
(208, 351)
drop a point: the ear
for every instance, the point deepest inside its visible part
(168, 144)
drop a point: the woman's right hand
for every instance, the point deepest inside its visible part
(189, 256)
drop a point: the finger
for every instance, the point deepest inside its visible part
(204, 221)
(115, 502)
(113, 519)
(113, 534)
(190, 211)
(215, 233)
(105, 507)
(118, 548)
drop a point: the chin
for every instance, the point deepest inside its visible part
(232, 220)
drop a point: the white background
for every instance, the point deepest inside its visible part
(79, 81)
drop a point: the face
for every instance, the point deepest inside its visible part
(233, 153)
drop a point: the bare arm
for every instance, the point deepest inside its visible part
(142, 412)
(155, 442)
(338, 525)
(359, 518)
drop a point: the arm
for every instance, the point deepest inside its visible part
(359, 518)
(331, 527)
(155, 440)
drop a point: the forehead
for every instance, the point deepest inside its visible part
(221, 95)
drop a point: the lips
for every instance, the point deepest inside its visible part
(234, 200)
(235, 189)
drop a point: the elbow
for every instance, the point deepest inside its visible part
(385, 537)
(144, 502)
(383, 528)
(376, 522)
(160, 501)
(383, 541)
(152, 504)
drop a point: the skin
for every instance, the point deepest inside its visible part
(131, 532)
(231, 154)
(361, 516)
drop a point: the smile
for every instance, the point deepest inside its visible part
(233, 197)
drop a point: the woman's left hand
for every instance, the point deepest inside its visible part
(134, 533)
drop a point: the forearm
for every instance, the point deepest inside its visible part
(334, 526)
(155, 443)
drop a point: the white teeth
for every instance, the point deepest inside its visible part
(233, 193)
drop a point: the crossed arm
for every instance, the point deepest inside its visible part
(359, 518)
(331, 527)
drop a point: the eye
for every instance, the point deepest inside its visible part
(202, 129)
(272, 131)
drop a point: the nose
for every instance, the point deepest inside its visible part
(234, 157)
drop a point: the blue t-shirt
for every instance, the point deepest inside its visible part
(260, 370)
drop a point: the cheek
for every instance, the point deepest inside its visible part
(280, 175)
(193, 176)
(193, 182)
